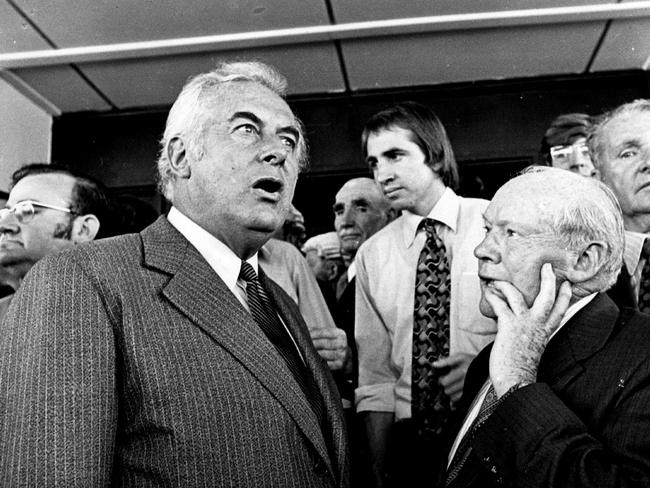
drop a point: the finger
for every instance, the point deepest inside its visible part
(498, 304)
(546, 297)
(323, 333)
(450, 378)
(450, 361)
(513, 297)
(454, 389)
(561, 304)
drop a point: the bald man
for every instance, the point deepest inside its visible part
(360, 210)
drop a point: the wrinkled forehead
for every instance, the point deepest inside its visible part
(46, 187)
(248, 97)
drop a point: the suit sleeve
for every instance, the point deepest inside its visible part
(376, 377)
(58, 402)
(533, 439)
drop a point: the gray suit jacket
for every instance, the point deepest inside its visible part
(128, 362)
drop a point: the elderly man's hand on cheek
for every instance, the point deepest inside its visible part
(523, 332)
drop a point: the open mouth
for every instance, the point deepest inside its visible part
(268, 185)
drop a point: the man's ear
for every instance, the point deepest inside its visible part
(178, 160)
(391, 215)
(84, 228)
(588, 263)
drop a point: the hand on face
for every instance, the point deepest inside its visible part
(523, 332)
(332, 345)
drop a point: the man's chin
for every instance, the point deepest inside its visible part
(486, 309)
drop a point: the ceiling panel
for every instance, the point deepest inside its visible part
(157, 81)
(16, 34)
(363, 10)
(626, 46)
(63, 87)
(90, 22)
(470, 55)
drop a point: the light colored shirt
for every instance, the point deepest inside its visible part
(284, 264)
(478, 401)
(385, 283)
(220, 257)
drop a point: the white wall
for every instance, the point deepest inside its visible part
(25, 133)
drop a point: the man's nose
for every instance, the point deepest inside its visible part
(9, 225)
(486, 250)
(383, 173)
(275, 153)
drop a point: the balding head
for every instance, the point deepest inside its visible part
(549, 215)
(360, 210)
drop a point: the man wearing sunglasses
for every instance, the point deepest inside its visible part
(50, 208)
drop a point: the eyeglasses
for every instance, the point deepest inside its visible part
(25, 210)
(562, 154)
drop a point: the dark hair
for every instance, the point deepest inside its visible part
(565, 129)
(426, 131)
(89, 196)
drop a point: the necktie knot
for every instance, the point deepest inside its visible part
(247, 273)
(428, 225)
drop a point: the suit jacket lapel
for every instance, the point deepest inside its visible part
(580, 338)
(198, 292)
(314, 364)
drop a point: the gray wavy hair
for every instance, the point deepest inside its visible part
(190, 116)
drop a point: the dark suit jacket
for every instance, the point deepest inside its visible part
(129, 362)
(585, 423)
(622, 292)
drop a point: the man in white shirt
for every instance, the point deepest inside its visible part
(167, 358)
(561, 397)
(410, 156)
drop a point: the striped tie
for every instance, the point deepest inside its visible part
(465, 447)
(263, 312)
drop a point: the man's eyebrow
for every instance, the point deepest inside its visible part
(246, 115)
(360, 201)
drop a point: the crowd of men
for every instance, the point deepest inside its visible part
(429, 339)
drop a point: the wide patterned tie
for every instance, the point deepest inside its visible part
(264, 314)
(644, 282)
(430, 406)
(465, 446)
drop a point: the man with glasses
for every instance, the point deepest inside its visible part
(50, 208)
(564, 144)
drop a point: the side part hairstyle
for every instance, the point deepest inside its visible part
(426, 131)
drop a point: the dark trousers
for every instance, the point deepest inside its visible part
(413, 460)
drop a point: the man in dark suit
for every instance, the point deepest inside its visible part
(620, 149)
(166, 358)
(562, 396)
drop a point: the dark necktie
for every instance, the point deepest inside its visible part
(263, 312)
(430, 407)
(464, 447)
(644, 282)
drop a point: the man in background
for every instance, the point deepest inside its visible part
(620, 149)
(417, 323)
(360, 210)
(323, 253)
(167, 358)
(50, 208)
(564, 144)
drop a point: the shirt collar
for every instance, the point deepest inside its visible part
(352, 271)
(219, 256)
(444, 211)
(572, 310)
(632, 250)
